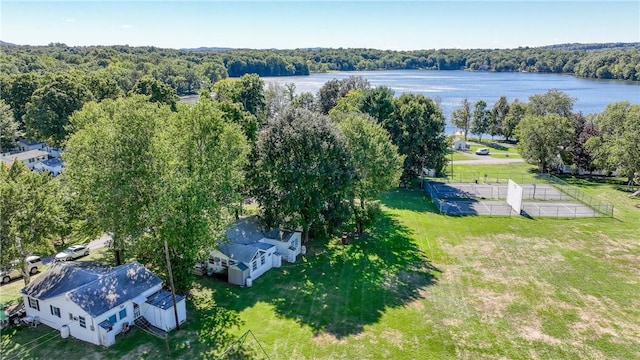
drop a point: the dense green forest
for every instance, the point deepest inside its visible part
(188, 70)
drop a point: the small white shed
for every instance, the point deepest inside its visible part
(158, 310)
(461, 145)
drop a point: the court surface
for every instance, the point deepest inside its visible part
(539, 200)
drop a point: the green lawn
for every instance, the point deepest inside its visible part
(423, 285)
(496, 150)
(459, 155)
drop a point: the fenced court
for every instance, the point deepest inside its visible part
(543, 195)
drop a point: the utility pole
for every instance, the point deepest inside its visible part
(173, 290)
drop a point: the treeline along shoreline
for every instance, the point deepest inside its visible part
(188, 70)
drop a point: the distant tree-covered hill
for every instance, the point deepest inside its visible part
(593, 46)
(187, 70)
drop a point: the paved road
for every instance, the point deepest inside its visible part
(95, 244)
(487, 161)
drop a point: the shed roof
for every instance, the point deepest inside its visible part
(52, 162)
(162, 299)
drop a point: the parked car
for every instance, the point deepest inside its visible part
(482, 151)
(72, 253)
(34, 263)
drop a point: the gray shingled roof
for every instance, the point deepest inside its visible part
(275, 234)
(95, 289)
(248, 231)
(239, 252)
(63, 277)
(245, 231)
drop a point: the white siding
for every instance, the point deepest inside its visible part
(69, 315)
(288, 249)
(261, 268)
(217, 266)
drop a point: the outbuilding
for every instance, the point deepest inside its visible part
(461, 145)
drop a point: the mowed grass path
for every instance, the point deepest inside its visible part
(422, 285)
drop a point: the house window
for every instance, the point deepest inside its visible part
(55, 310)
(123, 314)
(262, 260)
(254, 265)
(83, 322)
(71, 316)
(224, 263)
(112, 319)
(34, 304)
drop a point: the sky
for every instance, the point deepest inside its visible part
(392, 25)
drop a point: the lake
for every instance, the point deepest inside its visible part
(450, 87)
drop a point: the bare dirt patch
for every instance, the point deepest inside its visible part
(393, 336)
(138, 352)
(327, 339)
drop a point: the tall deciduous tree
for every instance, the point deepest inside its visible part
(47, 112)
(304, 100)
(30, 214)
(618, 146)
(247, 90)
(277, 98)
(461, 117)
(9, 128)
(417, 128)
(158, 91)
(19, 92)
(378, 103)
(498, 114)
(543, 138)
(517, 111)
(584, 129)
(200, 161)
(302, 169)
(109, 163)
(553, 101)
(480, 122)
(333, 89)
(375, 158)
(102, 85)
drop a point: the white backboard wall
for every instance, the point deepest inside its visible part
(514, 196)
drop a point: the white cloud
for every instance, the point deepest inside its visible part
(126, 26)
(69, 20)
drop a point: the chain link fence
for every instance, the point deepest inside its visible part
(543, 195)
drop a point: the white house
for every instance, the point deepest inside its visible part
(94, 302)
(250, 252)
(54, 166)
(460, 145)
(29, 158)
(28, 145)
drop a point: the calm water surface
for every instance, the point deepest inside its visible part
(450, 87)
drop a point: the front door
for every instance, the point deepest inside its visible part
(136, 311)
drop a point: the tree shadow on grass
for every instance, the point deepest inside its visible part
(413, 199)
(339, 289)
